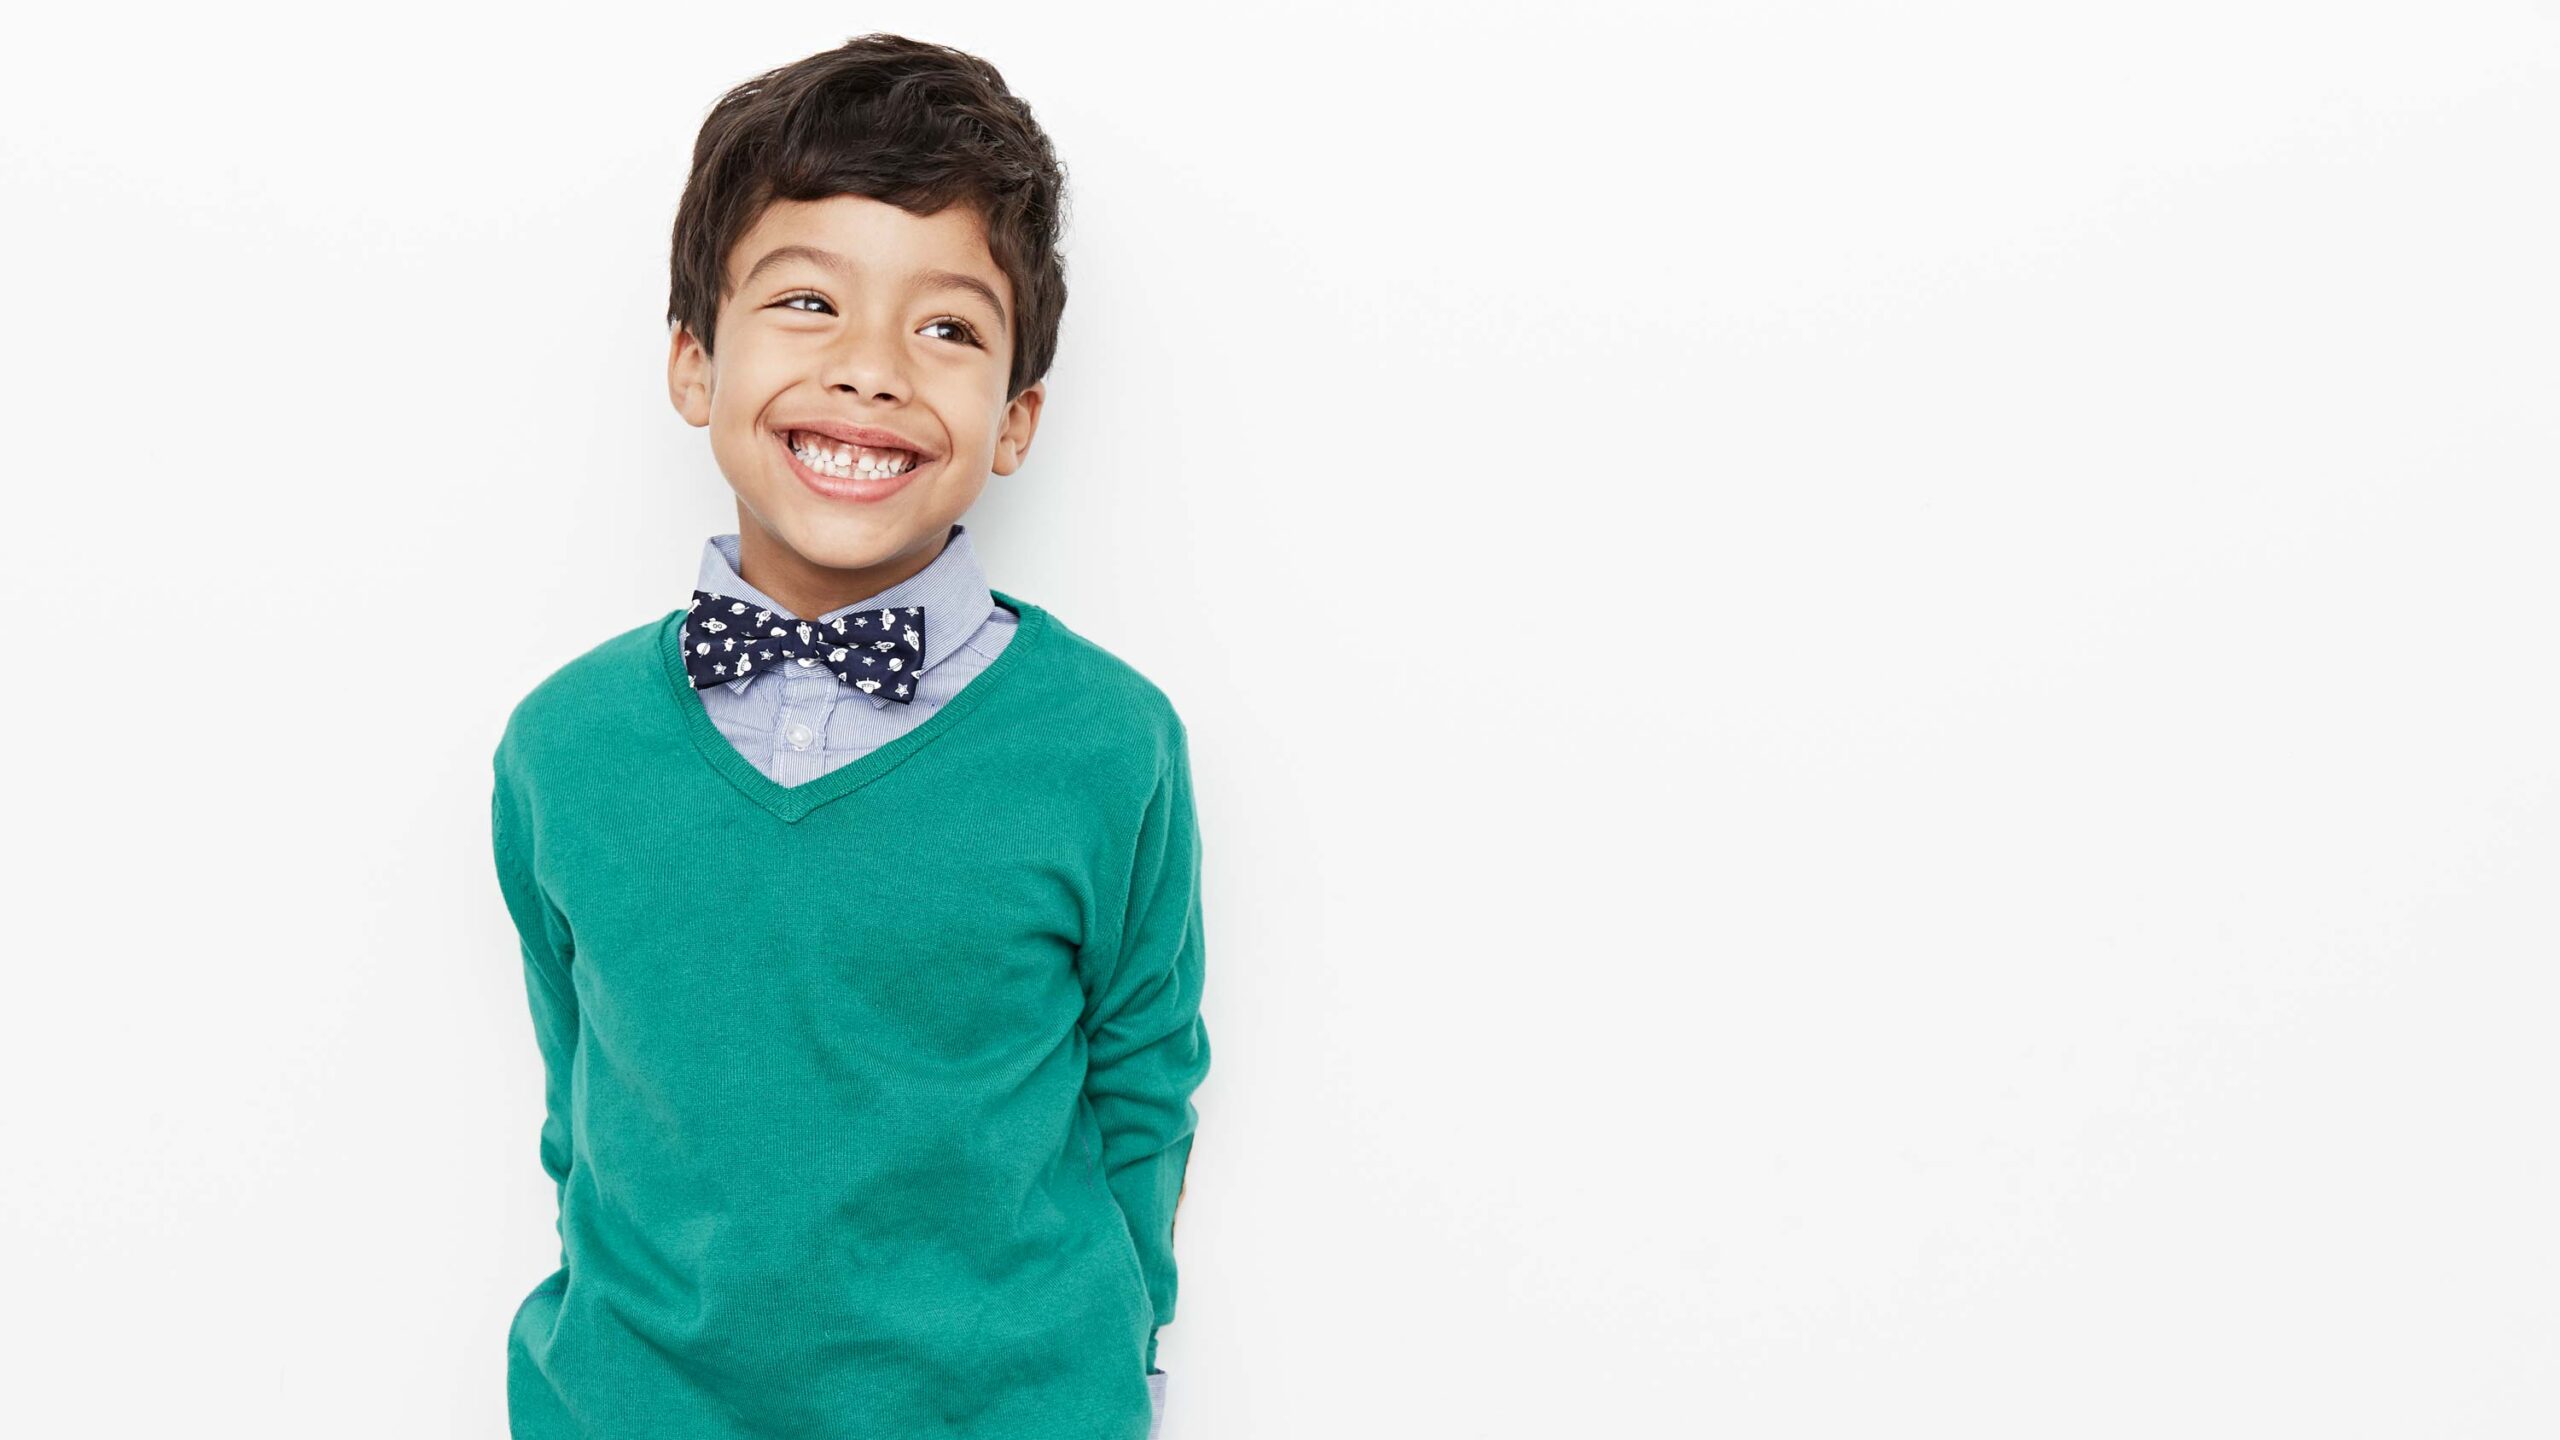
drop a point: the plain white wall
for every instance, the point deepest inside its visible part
(1872, 685)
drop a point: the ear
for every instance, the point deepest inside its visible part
(1021, 418)
(689, 377)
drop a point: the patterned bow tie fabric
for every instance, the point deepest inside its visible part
(878, 652)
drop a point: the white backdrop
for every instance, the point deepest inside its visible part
(1941, 811)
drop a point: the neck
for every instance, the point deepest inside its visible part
(808, 589)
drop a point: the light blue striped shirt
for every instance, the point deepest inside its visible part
(796, 723)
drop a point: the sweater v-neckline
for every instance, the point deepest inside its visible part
(790, 802)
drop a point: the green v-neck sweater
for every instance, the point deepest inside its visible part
(869, 1099)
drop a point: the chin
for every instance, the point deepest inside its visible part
(849, 540)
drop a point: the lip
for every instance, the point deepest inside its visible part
(872, 436)
(849, 488)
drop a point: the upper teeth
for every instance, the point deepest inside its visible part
(836, 458)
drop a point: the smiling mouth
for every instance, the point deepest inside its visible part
(840, 461)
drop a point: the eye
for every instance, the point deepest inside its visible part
(967, 330)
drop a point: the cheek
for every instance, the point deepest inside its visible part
(739, 404)
(740, 375)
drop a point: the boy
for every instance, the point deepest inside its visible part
(860, 903)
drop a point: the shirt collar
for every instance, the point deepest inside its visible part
(952, 589)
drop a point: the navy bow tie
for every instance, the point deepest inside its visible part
(878, 652)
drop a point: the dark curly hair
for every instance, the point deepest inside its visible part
(917, 125)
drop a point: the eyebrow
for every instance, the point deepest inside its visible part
(837, 265)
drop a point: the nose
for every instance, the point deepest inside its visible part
(868, 359)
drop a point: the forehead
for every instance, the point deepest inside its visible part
(878, 241)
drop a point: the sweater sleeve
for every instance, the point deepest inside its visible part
(1147, 1048)
(543, 936)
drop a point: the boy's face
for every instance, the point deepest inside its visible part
(847, 311)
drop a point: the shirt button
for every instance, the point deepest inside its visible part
(799, 736)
